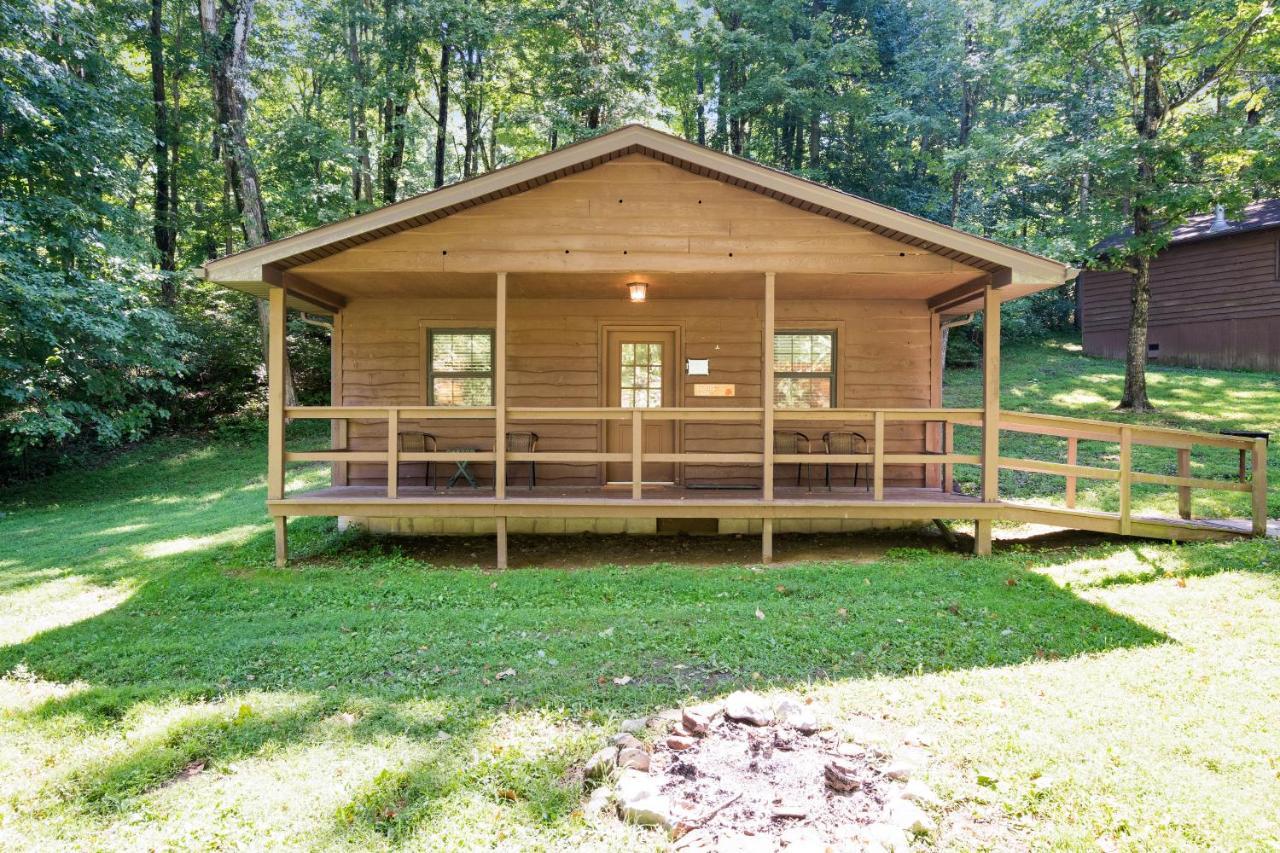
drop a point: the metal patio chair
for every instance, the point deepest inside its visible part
(844, 443)
(422, 442)
(794, 442)
(524, 442)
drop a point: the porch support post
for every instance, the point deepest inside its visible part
(337, 426)
(500, 396)
(637, 454)
(1073, 453)
(393, 453)
(877, 456)
(275, 393)
(1259, 487)
(767, 400)
(948, 470)
(275, 414)
(766, 540)
(1184, 492)
(1126, 479)
(991, 396)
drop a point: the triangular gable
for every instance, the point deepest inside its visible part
(253, 268)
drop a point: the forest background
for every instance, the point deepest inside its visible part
(140, 138)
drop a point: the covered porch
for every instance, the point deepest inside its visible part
(678, 447)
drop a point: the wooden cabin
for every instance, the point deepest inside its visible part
(1215, 295)
(639, 334)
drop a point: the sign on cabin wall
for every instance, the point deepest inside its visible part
(714, 389)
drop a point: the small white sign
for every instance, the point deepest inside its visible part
(698, 366)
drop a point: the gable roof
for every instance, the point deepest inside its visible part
(254, 269)
(1258, 216)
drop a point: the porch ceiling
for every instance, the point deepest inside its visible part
(406, 284)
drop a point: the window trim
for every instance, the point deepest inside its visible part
(791, 374)
(432, 373)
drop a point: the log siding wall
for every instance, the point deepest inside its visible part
(885, 349)
(1214, 303)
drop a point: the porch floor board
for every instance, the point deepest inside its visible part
(622, 493)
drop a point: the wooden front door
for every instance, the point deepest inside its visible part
(641, 374)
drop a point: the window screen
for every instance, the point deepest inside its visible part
(460, 367)
(804, 369)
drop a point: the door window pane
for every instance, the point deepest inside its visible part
(641, 375)
(804, 369)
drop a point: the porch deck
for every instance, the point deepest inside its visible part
(665, 499)
(789, 503)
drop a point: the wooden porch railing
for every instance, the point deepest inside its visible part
(878, 458)
(1074, 430)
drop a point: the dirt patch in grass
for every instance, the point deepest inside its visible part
(587, 550)
(770, 782)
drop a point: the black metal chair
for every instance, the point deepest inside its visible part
(422, 442)
(794, 442)
(524, 442)
(846, 443)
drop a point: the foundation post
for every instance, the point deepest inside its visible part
(282, 541)
(982, 537)
(500, 523)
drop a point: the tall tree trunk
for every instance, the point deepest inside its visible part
(1135, 367)
(394, 111)
(702, 106)
(722, 106)
(164, 225)
(471, 111)
(815, 139)
(1082, 212)
(226, 25)
(1149, 120)
(442, 114)
(357, 118)
(400, 67)
(968, 105)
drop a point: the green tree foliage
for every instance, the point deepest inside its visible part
(85, 352)
(1014, 120)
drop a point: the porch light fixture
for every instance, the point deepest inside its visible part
(638, 290)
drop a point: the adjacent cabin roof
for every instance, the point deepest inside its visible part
(1259, 216)
(1016, 271)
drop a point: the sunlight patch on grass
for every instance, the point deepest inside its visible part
(186, 544)
(1080, 397)
(124, 528)
(32, 610)
(21, 691)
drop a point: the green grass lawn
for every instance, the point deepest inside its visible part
(1054, 378)
(166, 687)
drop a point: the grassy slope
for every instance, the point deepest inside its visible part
(355, 700)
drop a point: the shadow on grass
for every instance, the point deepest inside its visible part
(386, 632)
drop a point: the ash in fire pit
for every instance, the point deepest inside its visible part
(749, 774)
